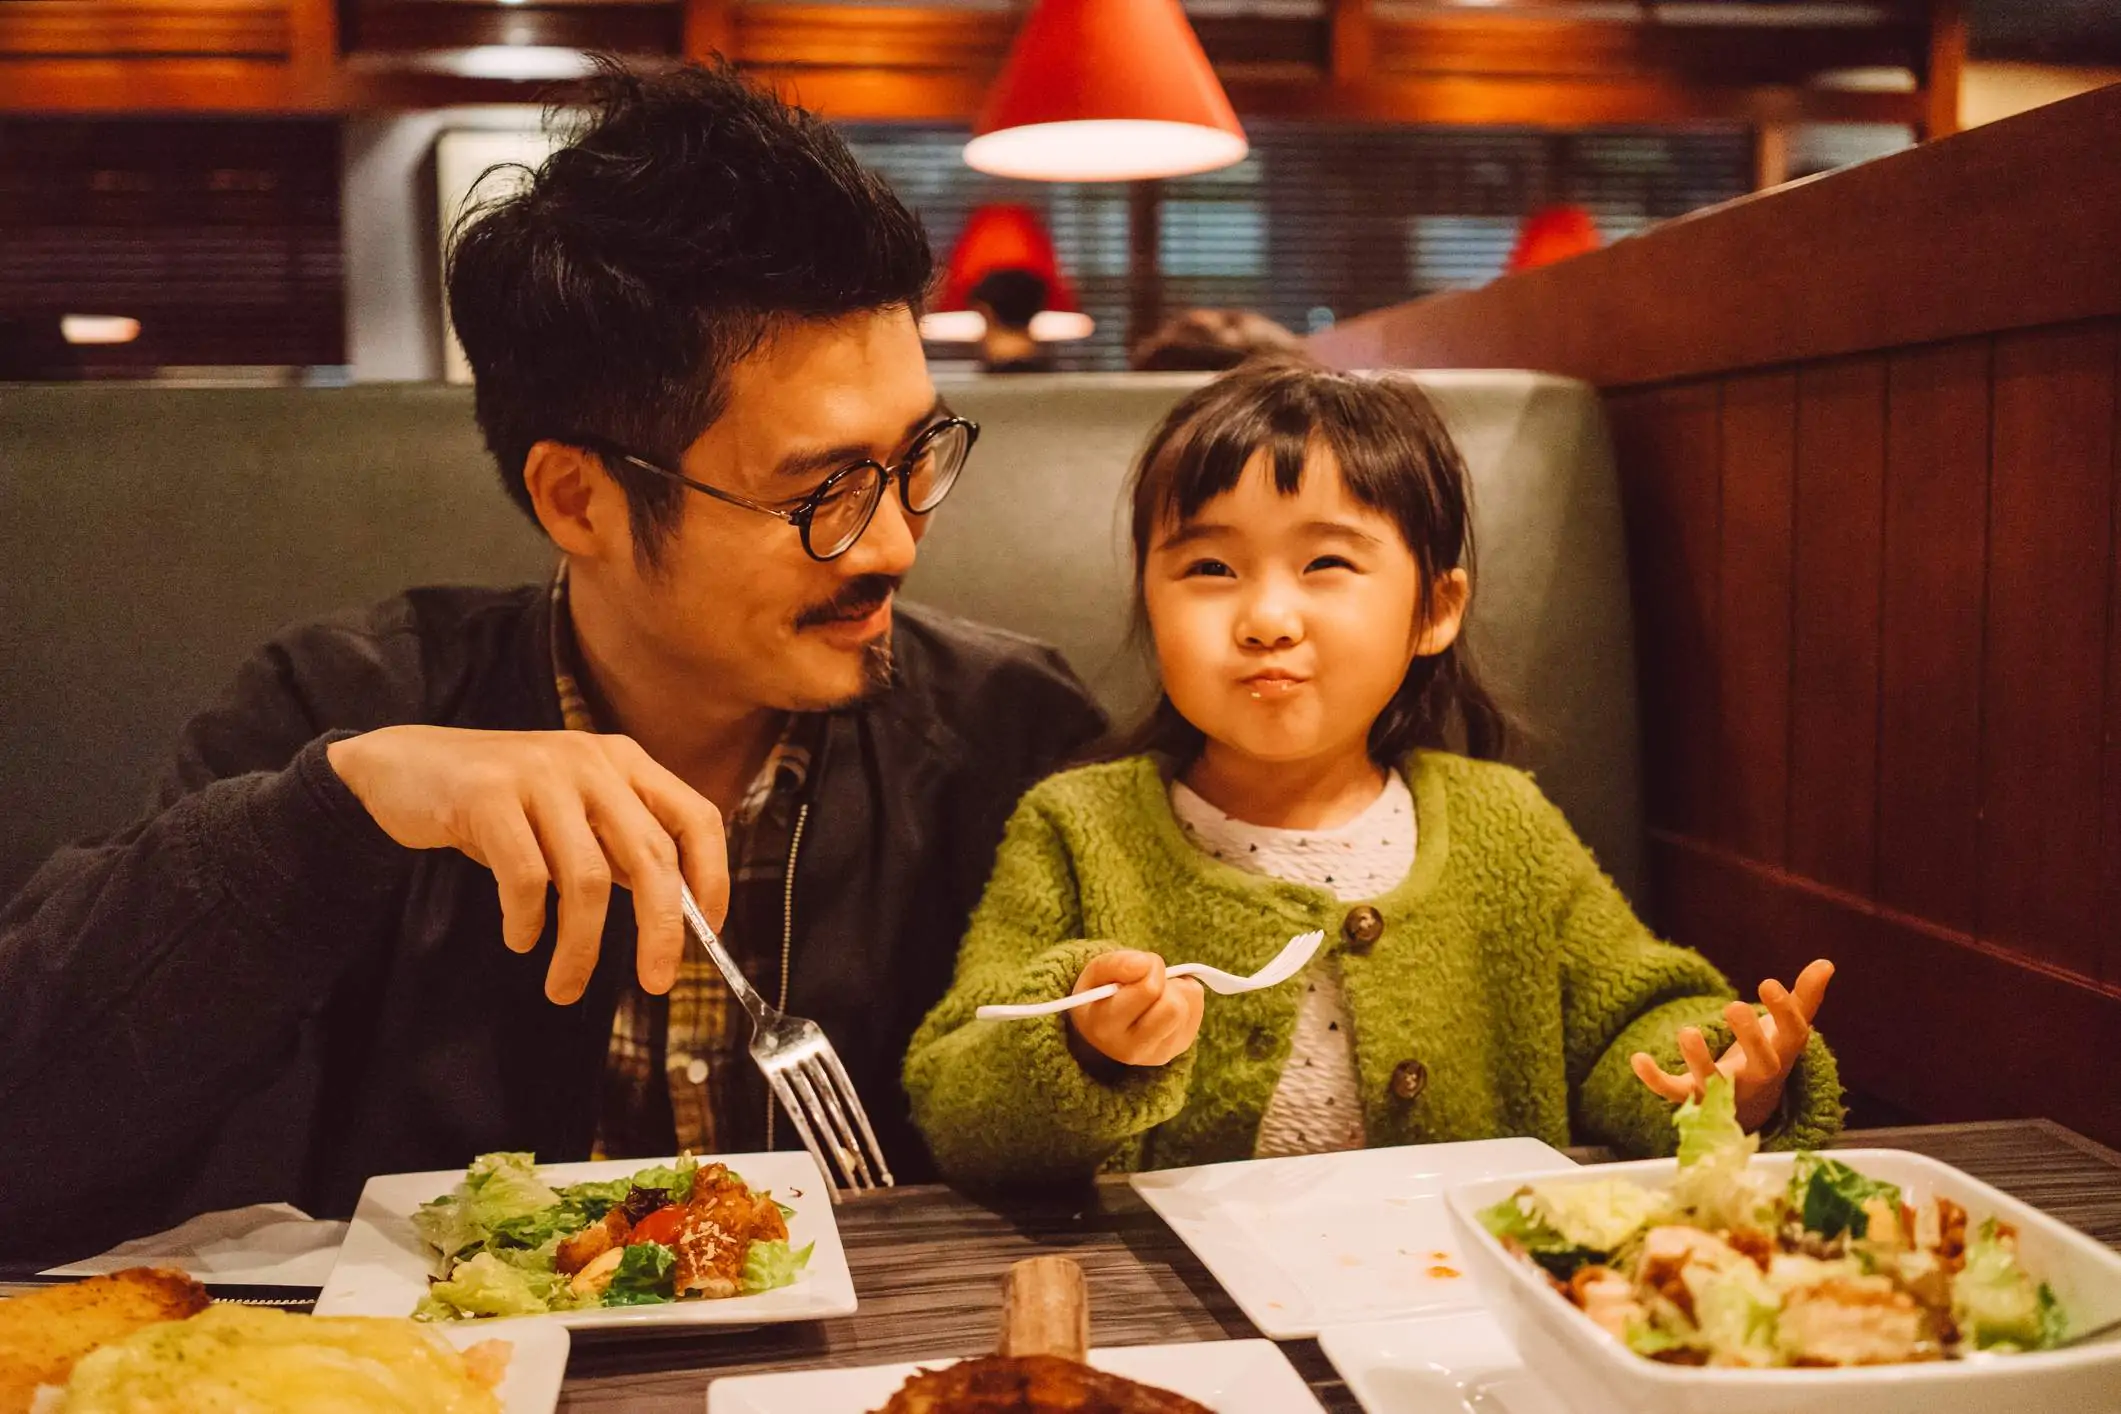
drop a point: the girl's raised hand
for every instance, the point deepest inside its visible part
(1762, 1052)
(1150, 1020)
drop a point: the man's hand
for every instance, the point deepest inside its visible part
(1761, 1055)
(569, 808)
(1150, 1020)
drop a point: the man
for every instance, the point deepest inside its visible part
(695, 342)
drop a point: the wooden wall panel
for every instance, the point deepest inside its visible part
(2050, 552)
(1930, 631)
(1949, 524)
(2111, 775)
(1839, 520)
(1668, 444)
(1933, 1022)
(1753, 615)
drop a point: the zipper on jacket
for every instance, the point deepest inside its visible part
(795, 846)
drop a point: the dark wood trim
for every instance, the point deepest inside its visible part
(1145, 274)
(1522, 65)
(56, 29)
(1354, 41)
(865, 37)
(1558, 45)
(162, 85)
(1944, 72)
(710, 28)
(1951, 238)
(1529, 101)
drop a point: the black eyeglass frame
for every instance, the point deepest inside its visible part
(806, 511)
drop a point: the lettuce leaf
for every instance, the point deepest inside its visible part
(768, 1265)
(1518, 1219)
(487, 1286)
(1602, 1215)
(1830, 1196)
(1994, 1300)
(644, 1276)
(676, 1179)
(1649, 1339)
(2054, 1321)
(1713, 1183)
(1735, 1311)
(499, 1188)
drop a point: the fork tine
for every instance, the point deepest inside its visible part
(850, 1149)
(831, 1059)
(794, 1107)
(843, 1171)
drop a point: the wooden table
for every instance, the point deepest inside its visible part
(928, 1264)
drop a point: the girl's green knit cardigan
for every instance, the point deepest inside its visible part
(1509, 968)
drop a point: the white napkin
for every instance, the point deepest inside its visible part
(265, 1244)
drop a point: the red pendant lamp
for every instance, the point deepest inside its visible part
(1552, 233)
(1003, 237)
(1106, 91)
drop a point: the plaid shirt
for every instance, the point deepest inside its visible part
(678, 1074)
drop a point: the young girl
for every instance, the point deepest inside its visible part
(1301, 541)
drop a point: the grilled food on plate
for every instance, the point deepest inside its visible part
(44, 1333)
(1040, 1370)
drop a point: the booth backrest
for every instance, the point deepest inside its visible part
(152, 537)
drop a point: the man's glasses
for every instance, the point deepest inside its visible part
(832, 518)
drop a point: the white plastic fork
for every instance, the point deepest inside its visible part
(1286, 964)
(804, 1073)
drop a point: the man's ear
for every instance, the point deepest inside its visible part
(578, 502)
(1447, 613)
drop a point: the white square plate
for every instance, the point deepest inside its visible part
(1456, 1363)
(1228, 1376)
(1335, 1239)
(536, 1365)
(383, 1266)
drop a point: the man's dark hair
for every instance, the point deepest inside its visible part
(1016, 295)
(691, 214)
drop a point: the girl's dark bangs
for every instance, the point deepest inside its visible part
(1209, 458)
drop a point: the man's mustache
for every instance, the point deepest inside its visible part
(857, 599)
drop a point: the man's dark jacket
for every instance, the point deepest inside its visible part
(253, 993)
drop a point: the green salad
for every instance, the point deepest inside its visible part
(506, 1243)
(1730, 1267)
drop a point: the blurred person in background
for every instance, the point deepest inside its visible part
(1210, 340)
(1009, 300)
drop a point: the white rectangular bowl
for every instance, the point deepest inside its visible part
(1565, 1349)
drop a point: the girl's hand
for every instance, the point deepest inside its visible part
(1148, 1021)
(1761, 1055)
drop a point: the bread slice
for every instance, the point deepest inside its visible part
(44, 1333)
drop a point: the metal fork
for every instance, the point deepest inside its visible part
(804, 1072)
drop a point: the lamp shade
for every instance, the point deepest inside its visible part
(1003, 237)
(1550, 234)
(1102, 91)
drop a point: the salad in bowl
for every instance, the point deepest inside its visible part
(1727, 1281)
(1733, 1264)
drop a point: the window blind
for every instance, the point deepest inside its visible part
(1321, 221)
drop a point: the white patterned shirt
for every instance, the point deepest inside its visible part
(1317, 1105)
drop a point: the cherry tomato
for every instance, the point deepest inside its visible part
(662, 1226)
